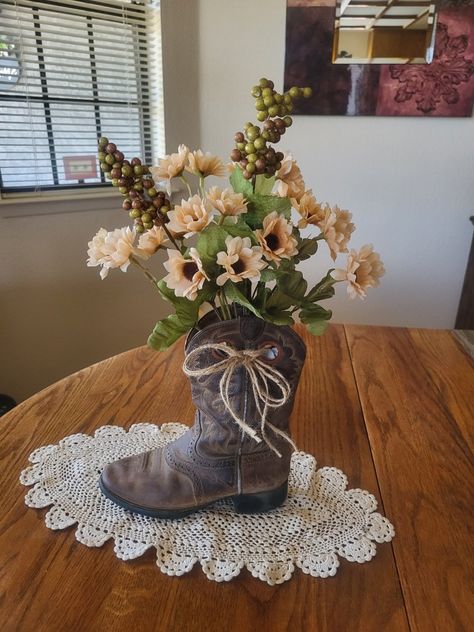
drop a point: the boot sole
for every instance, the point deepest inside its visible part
(243, 503)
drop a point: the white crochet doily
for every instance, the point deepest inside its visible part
(320, 521)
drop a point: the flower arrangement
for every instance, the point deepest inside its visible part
(238, 245)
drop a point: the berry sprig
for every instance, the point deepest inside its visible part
(273, 109)
(146, 205)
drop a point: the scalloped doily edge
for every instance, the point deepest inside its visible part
(272, 572)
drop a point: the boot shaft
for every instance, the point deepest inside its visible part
(283, 354)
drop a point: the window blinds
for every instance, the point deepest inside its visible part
(71, 72)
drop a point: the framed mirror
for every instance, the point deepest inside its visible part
(384, 32)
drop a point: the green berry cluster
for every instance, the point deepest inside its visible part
(273, 109)
(145, 204)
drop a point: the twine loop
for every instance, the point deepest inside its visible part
(261, 375)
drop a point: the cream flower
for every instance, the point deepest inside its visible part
(276, 239)
(113, 250)
(190, 217)
(226, 201)
(290, 180)
(337, 229)
(310, 210)
(241, 261)
(150, 241)
(363, 270)
(186, 276)
(172, 165)
(205, 164)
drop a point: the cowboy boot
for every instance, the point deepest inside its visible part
(244, 374)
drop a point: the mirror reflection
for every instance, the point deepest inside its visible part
(384, 32)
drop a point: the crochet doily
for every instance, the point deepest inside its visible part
(320, 521)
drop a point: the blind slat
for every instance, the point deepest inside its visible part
(126, 40)
(119, 13)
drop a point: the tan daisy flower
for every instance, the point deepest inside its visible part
(337, 229)
(171, 166)
(205, 164)
(150, 241)
(186, 276)
(241, 261)
(113, 250)
(310, 210)
(226, 201)
(276, 239)
(191, 216)
(290, 180)
(363, 270)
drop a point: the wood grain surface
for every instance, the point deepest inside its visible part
(418, 400)
(392, 413)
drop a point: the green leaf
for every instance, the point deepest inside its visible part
(286, 265)
(307, 247)
(278, 317)
(166, 332)
(323, 290)
(259, 206)
(317, 328)
(240, 229)
(260, 295)
(187, 311)
(268, 274)
(239, 183)
(277, 301)
(315, 318)
(264, 185)
(210, 241)
(293, 285)
(233, 294)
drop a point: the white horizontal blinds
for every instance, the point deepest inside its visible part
(155, 75)
(82, 73)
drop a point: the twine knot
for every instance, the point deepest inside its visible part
(261, 375)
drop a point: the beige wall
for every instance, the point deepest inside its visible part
(56, 315)
(408, 182)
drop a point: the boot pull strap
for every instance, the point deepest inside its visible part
(261, 375)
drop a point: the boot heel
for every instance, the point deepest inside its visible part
(263, 501)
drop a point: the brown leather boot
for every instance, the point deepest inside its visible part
(244, 374)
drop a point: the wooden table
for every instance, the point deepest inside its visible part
(393, 408)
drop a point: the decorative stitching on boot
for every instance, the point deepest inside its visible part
(184, 468)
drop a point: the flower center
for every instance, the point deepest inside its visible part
(189, 270)
(272, 241)
(238, 266)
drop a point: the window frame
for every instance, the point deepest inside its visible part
(59, 192)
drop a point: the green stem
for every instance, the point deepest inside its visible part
(145, 270)
(201, 186)
(170, 236)
(254, 295)
(183, 179)
(224, 305)
(214, 307)
(248, 289)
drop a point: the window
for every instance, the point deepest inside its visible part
(71, 72)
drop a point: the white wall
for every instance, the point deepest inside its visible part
(408, 181)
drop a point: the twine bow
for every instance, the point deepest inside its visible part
(260, 374)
